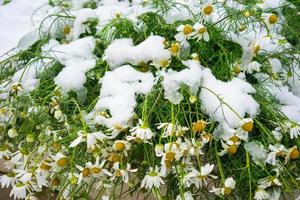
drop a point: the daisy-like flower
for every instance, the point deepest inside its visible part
(261, 194)
(7, 180)
(152, 179)
(175, 49)
(97, 169)
(199, 126)
(170, 129)
(60, 161)
(270, 19)
(292, 154)
(185, 32)
(142, 131)
(270, 181)
(186, 196)
(161, 64)
(124, 173)
(247, 124)
(294, 129)
(16, 88)
(18, 191)
(84, 173)
(208, 8)
(251, 67)
(275, 150)
(199, 178)
(121, 146)
(200, 32)
(90, 138)
(230, 146)
(229, 185)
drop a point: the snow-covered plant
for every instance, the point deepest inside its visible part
(164, 99)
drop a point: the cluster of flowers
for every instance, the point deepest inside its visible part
(172, 145)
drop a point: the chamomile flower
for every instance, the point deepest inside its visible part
(275, 151)
(185, 32)
(97, 169)
(292, 154)
(175, 48)
(199, 178)
(170, 129)
(7, 180)
(142, 131)
(121, 146)
(270, 18)
(229, 185)
(251, 67)
(60, 161)
(208, 8)
(270, 180)
(90, 138)
(294, 130)
(230, 147)
(152, 179)
(200, 32)
(84, 173)
(19, 191)
(261, 194)
(122, 172)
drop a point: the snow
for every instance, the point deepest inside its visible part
(82, 16)
(290, 103)
(16, 21)
(122, 51)
(77, 57)
(190, 76)
(235, 96)
(118, 91)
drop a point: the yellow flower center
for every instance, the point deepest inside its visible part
(175, 48)
(96, 170)
(170, 156)
(62, 162)
(120, 146)
(45, 165)
(234, 139)
(118, 172)
(187, 29)
(208, 10)
(257, 49)
(164, 63)
(237, 70)
(232, 149)
(199, 126)
(273, 19)
(67, 30)
(85, 172)
(248, 126)
(114, 158)
(227, 191)
(202, 30)
(295, 154)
